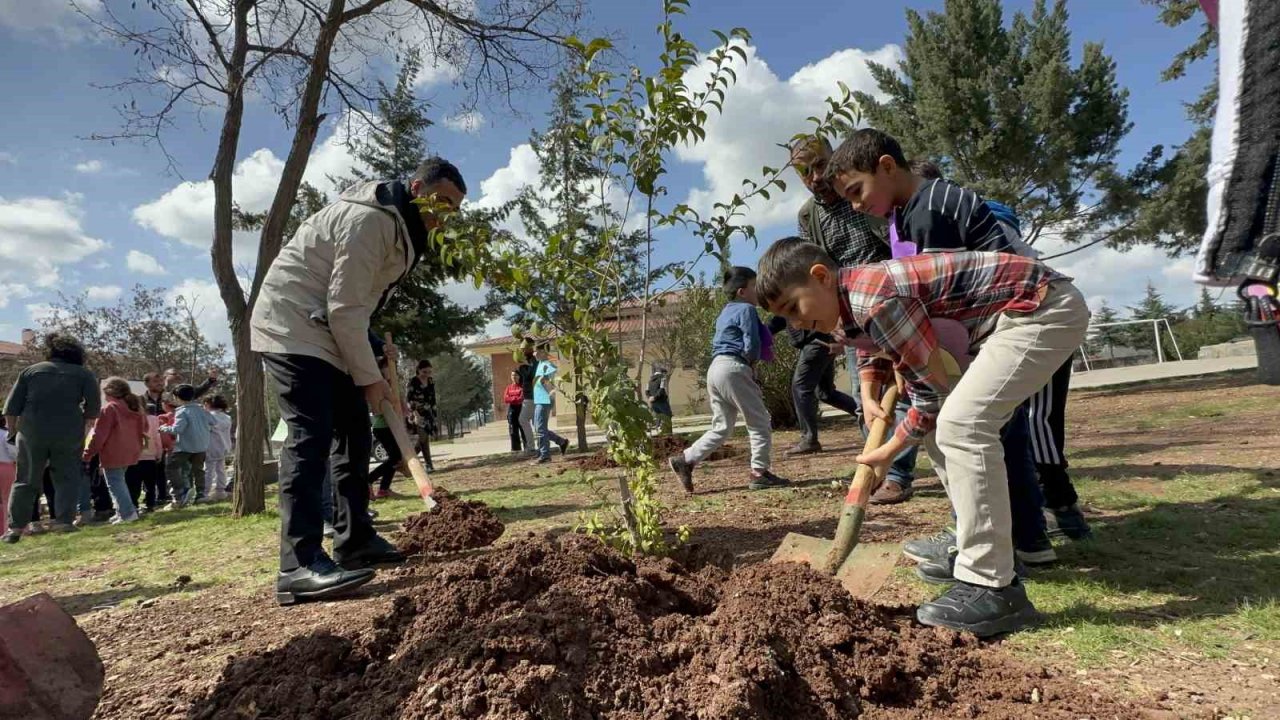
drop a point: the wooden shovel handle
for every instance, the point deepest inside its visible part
(391, 413)
(864, 479)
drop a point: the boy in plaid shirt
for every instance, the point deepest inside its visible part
(1027, 319)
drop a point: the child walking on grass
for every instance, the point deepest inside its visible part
(1027, 320)
(191, 428)
(117, 441)
(220, 446)
(740, 341)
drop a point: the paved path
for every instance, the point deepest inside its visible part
(1160, 371)
(492, 439)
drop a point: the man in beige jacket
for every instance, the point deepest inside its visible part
(311, 324)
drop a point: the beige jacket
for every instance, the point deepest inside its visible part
(327, 280)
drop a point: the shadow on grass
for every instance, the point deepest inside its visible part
(1213, 555)
(1262, 476)
(1127, 449)
(80, 603)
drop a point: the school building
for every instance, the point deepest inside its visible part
(687, 398)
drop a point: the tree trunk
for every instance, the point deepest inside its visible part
(579, 409)
(248, 496)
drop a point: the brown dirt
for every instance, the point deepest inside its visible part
(453, 525)
(663, 447)
(565, 628)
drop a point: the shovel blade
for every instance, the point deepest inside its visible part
(49, 669)
(863, 573)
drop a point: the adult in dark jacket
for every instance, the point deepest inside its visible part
(311, 323)
(49, 409)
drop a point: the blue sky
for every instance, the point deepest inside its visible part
(83, 215)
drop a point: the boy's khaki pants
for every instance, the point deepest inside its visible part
(1017, 359)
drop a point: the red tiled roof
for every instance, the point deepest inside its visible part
(625, 326)
(12, 348)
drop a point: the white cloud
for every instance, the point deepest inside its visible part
(89, 167)
(506, 182)
(1121, 278)
(39, 234)
(39, 312)
(762, 110)
(140, 262)
(465, 122)
(13, 291)
(101, 293)
(8, 158)
(57, 18)
(185, 213)
(465, 293)
(205, 300)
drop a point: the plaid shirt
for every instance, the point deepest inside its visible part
(891, 302)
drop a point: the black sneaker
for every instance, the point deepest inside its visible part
(765, 480)
(564, 446)
(931, 549)
(942, 571)
(1039, 553)
(980, 610)
(1071, 523)
(11, 536)
(683, 470)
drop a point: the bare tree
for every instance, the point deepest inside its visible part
(308, 59)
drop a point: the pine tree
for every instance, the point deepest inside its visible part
(564, 216)
(393, 149)
(1107, 337)
(419, 316)
(1003, 111)
(1152, 307)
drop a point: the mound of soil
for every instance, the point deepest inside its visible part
(567, 629)
(453, 525)
(663, 447)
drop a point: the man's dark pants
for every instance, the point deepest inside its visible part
(814, 381)
(61, 454)
(328, 422)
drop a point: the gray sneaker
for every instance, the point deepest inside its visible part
(683, 470)
(934, 548)
(765, 480)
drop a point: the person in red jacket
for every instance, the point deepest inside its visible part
(514, 398)
(117, 441)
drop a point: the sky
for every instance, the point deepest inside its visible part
(78, 214)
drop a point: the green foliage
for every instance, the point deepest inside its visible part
(686, 324)
(1208, 324)
(1172, 212)
(1004, 111)
(1106, 338)
(1152, 307)
(142, 332)
(462, 388)
(632, 123)
(421, 318)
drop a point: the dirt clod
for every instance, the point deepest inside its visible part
(566, 628)
(453, 525)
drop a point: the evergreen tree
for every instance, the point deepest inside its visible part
(1107, 338)
(393, 149)
(1004, 111)
(421, 318)
(462, 389)
(565, 216)
(1152, 307)
(1208, 324)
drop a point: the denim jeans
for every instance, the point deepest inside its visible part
(120, 492)
(903, 470)
(542, 429)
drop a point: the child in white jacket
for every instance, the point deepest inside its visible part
(220, 445)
